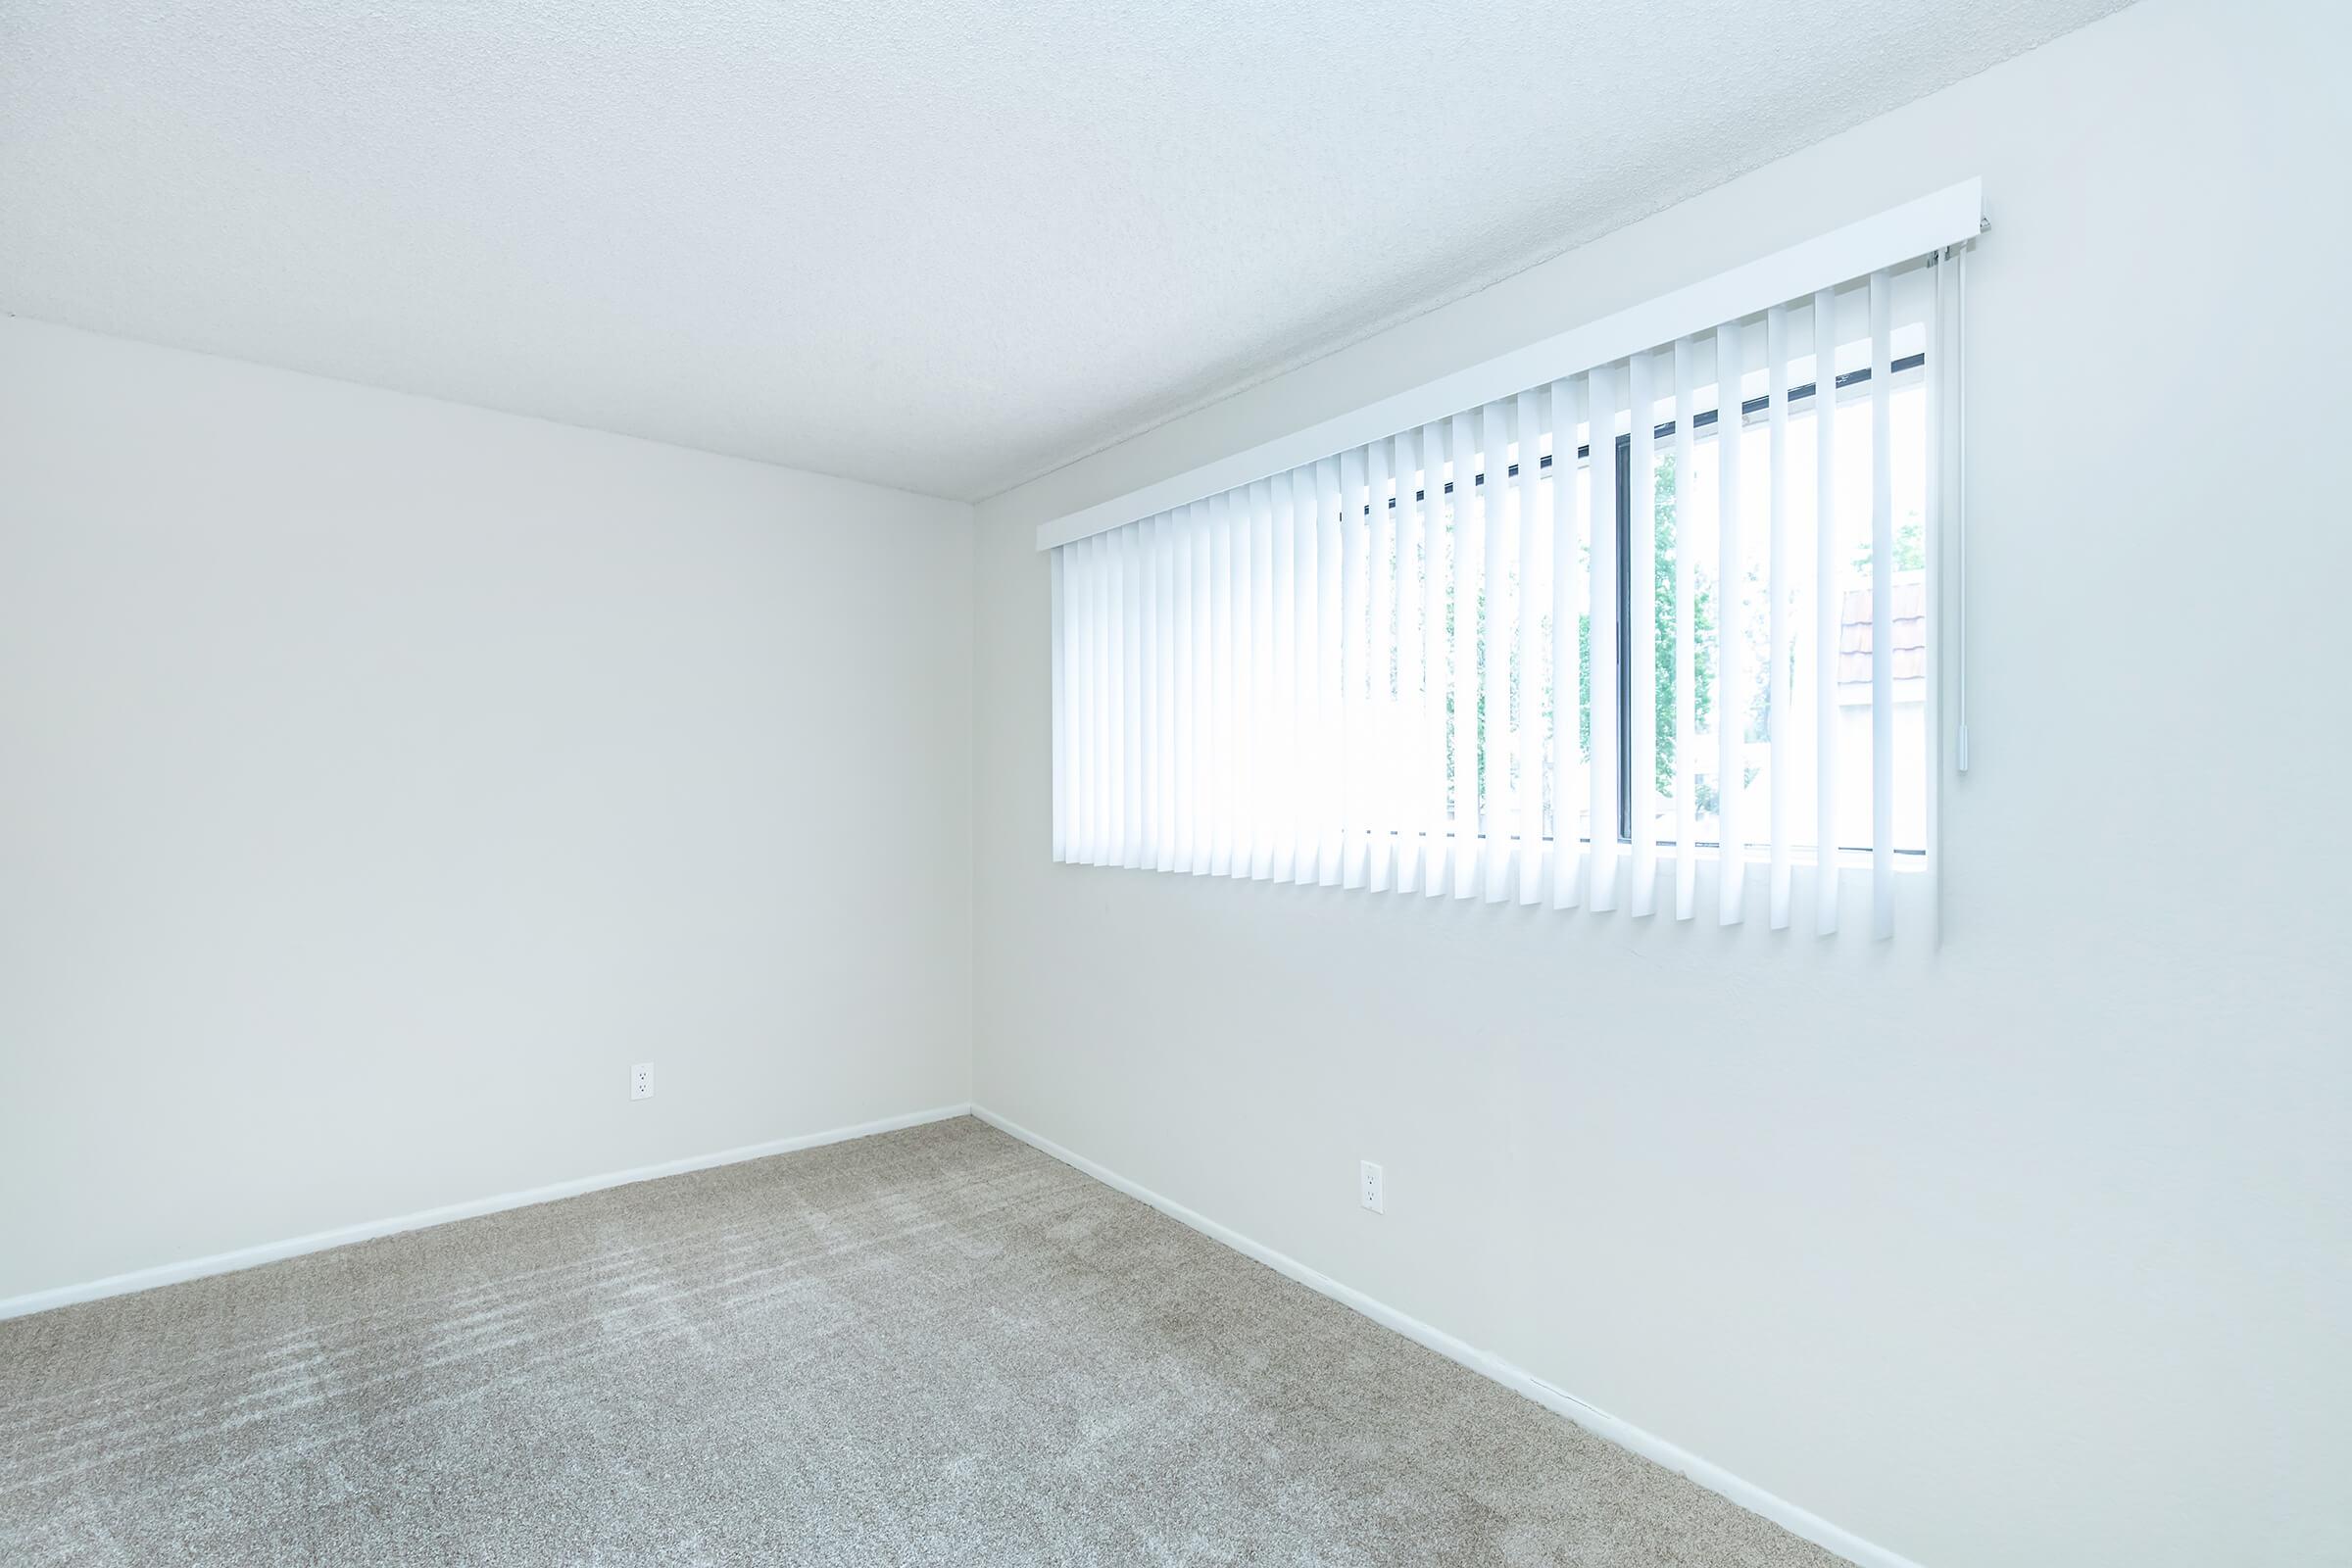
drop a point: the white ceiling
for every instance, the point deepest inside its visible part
(940, 244)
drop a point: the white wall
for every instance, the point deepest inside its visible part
(379, 778)
(2031, 1251)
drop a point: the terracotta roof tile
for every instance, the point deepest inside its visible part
(1910, 624)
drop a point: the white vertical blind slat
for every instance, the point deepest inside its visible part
(1469, 542)
(1236, 687)
(1412, 644)
(1159, 845)
(1306, 647)
(1258, 755)
(1731, 645)
(1685, 649)
(1077, 561)
(1138, 725)
(1081, 567)
(1779, 630)
(1282, 734)
(1202, 714)
(1165, 656)
(1061, 721)
(1109, 828)
(1306, 711)
(1439, 543)
(1109, 584)
(1147, 686)
(1180, 793)
(1205, 664)
(1535, 587)
(1375, 739)
(1825, 612)
(1298, 806)
(1145, 713)
(1641, 639)
(1164, 663)
(1882, 611)
(1297, 778)
(1087, 701)
(1101, 769)
(1350, 636)
(1500, 749)
(1221, 697)
(1566, 707)
(1331, 564)
(1604, 859)
(1110, 700)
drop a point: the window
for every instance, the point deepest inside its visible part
(1686, 513)
(1573, 644)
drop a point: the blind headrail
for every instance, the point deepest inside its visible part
(1916, 228)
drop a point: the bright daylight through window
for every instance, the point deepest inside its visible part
(1645, 637)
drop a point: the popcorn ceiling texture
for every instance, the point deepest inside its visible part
(938, 244)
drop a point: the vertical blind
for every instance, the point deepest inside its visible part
(1564, 648)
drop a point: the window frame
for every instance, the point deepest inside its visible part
(1705, 418)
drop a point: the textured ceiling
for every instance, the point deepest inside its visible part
(938, 244)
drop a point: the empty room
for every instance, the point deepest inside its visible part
(1309, 783)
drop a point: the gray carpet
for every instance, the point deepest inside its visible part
(935, 1345)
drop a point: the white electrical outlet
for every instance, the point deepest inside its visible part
(1371, 1188)
(641, 1081)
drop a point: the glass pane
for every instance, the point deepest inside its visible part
(1908, 430)
(1688, 520)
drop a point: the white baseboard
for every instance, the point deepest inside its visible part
(1746, 1493)
(147, 1279)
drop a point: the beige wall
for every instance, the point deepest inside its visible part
(380, 778)
(2029, 1251)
